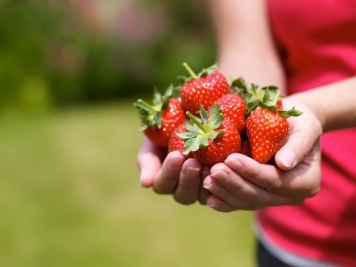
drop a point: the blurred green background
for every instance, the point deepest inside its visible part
(69, 189)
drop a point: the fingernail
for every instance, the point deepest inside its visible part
(208, 182)
(219, 174)
(192, 172)
(208, 186)
(213, 206)
(288, 158)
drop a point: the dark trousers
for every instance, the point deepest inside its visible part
(266, 259)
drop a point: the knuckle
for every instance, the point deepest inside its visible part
(275, 185)
(255, 173)
(237, 186)
(264, 201)
(219, 191)
(223, 194)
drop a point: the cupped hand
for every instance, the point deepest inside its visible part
(241, 183)
(172, 174)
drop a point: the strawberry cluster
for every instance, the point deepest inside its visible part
(208, 118)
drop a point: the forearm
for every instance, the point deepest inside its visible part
(333, 104)
(245, 45)
(246, 48)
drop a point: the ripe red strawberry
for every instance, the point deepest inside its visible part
(203, 89)
(233, 108)
(266, 124)
(212, 139)
(177, 143)
(267, 132)
(246, 148)
(160, 119)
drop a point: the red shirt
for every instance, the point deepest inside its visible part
(317, 43)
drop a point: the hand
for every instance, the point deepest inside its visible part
(243, 184)
(172, 174)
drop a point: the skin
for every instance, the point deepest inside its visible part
(241, 183)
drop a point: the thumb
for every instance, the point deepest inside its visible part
(304, 134)
(149, 162)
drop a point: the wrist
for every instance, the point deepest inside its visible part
(311, 114)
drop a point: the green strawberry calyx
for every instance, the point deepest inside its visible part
(194, 76)
(200, 130)
(254, 92)
(265, 97)
(266, 103)
(150, 115)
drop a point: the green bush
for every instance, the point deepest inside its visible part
(49, 58)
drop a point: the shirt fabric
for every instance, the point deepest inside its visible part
(317, 44)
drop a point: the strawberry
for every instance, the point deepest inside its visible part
(203, 89)
(267, 132)
(212, 139)
(252, 93)
(175, 142)
(233, 108)
(160, 119)
(267, 128)
(245, 148)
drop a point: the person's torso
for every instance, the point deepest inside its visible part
(317, 43)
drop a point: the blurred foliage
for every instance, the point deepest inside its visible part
(70, 197)
(50, 57)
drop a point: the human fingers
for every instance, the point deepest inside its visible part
(204, 193)
(301, 182)
(305, 179)
(187, 189)
(240, 193)
(149, 161)
(167, 177)
(219, 205)
(305, 130)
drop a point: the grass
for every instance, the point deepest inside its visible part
(70, 196)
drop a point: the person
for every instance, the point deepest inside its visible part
(306, 202)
